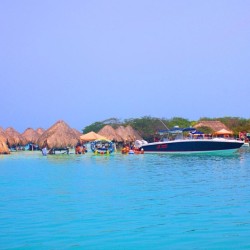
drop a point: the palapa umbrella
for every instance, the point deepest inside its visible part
(110, 134)
(59, 136)
(123, 133)
(30, 135)
(77, 133)
(3, 146)
(40, 131)
(133, 133)
(3, 134)
(128, 133)
(14, 138)
(6, 139)
(223, 132)
(92, 136)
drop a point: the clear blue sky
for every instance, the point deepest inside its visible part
(85, 61)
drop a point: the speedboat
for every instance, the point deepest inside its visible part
(174, 141)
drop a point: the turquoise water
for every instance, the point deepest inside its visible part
(125, 201)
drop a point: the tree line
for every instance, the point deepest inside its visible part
(148, 126)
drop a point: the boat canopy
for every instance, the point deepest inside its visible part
(196, 132)
(177, 130)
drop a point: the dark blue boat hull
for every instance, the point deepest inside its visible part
(186, 146)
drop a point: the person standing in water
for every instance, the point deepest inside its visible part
(44, 149)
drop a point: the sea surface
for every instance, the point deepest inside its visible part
(119, 201)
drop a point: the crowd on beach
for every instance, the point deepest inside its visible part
(61, 137)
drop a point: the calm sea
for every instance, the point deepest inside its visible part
(125, 201)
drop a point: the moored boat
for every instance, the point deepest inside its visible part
(173, 141)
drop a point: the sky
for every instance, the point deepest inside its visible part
(86, 61)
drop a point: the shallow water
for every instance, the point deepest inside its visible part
(125, 201)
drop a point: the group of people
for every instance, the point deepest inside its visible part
(80, 149)
(131, 149)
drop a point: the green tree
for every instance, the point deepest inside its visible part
(178, 121)
(148, 126)
(205, 130)
(96, 126)
(93, 127)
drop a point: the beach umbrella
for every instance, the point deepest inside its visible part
(14, 138)
(30, 135)
(59, 136)
(92, 136)
(110, 133)
(3, 146)
(223, 132)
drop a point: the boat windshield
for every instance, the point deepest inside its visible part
(175, 133)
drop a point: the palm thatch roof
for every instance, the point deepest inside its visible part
(223, 132)
(60, 135)
(133, 133)
(3, 146)
(77, 133)
(2, 134)
(128, 134)
(40, 131)
(30, 135)
(214, 125)
(14, 138)
(110, 133)
(92, 136)
(123, 133)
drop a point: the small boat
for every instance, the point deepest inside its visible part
(174, 141)
(102, 147)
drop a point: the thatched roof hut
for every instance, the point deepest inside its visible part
(59, 136)
(3, 146)
(40, 131)
(2, 134)
(125, 135)
(30, 135)
(133, 133)
(110, 134)
(5, 138)
(128, 134)
(91, 136)
(14, 138)
(77, 133)
(214, 125)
